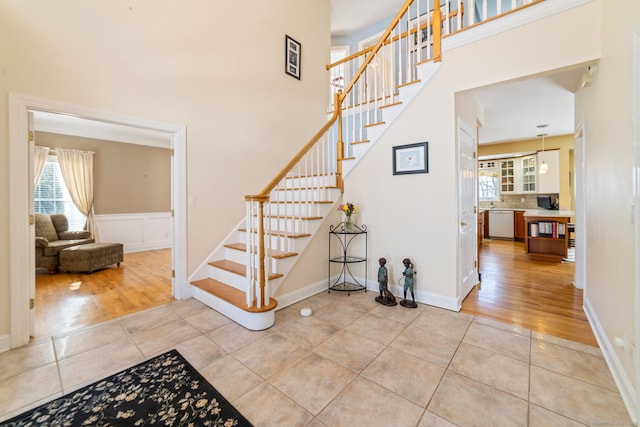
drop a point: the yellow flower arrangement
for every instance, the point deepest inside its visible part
(348, 209)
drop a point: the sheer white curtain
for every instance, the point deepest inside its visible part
(39, 159)
(77, 171)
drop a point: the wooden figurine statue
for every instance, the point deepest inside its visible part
(408, 284)
(386, 297)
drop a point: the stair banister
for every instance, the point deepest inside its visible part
(257, 275)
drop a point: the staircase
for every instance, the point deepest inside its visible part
(240, 276)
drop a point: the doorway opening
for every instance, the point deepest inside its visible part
(22, 255)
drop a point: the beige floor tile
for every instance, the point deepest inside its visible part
(409, 376)
(166, 336)
(232, 336)
(307, 331)
(361, 301)
(230, 377)
(315, 302)
(339, 314)
(376, 328)
(187, 307)
(349, 350)
(467, 402)
(573, 363)
(316, 423)
(207, 320)
(284, 316)
(88, 338)
(266, 406)
(594, 351)
(492, 369)
(28, 389)
(500, 341)
(398, 313)
(429, 419)
(147, 319)
(576, 399)
(540, 417)
(270, 354)
(364, 403)
(25, 358)
(430, 346)
(84, 368)
(200, 351)
(312, 382)
(442, 322)
(499, 325)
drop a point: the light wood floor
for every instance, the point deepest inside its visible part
(534, 295)
(65, 302)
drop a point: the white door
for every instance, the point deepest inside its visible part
(467, 216)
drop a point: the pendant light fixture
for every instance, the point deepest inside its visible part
(544, 167)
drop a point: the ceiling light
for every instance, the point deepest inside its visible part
(543, 168)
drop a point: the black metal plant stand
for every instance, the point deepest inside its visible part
(346, 281)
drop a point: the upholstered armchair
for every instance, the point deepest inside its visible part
(52, 236)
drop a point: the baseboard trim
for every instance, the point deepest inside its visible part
(5, 342)
(290, 298)
(622, 380)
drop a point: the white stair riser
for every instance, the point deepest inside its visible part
(300, 209)
(300, 195)
(251, 321)
(241, 258)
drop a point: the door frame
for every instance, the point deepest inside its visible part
(21, 232)
(579, 182)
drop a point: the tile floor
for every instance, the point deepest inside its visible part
(354, 362)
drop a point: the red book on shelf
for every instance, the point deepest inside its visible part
(554, 233)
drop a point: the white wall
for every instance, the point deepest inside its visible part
(606, 108)
(215, 67)
(137, 232)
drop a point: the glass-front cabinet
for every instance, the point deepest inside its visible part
(507, 176)
(529, 174)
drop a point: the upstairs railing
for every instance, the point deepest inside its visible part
(362, 85)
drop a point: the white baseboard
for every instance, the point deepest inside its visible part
(137, 231)
(285, 300)
(622, 380)
(5, 342)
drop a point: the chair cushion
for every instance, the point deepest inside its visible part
(45, 228)
(54, 248)
(60, 222)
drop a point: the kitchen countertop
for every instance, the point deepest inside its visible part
(548, 213)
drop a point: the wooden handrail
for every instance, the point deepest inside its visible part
(283, 172)
(376, 48)
(394, 39)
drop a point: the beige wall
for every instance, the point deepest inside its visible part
(215, 67)
(606, 110)
(562, 143)
(128, 178)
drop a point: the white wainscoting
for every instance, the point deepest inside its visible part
(138, 231)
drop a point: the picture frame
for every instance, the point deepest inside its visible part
(411, 158)
(293, 56)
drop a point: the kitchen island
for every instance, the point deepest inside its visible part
(547, 234)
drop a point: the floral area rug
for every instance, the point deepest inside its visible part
(163, 391)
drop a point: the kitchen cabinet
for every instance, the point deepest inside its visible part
(518, 226)
(507, 176)
(549, 182)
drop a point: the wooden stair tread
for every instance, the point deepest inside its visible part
(392, 104)
(409, 83)
(320, 202)
(374, 124)
(305, 188)
(274, 253)
(239, 269)
(231, 295)
(364, 141)
(283, 233)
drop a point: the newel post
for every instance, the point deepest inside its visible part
(337, 104)
(437, 33)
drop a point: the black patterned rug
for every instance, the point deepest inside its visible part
(163, 391)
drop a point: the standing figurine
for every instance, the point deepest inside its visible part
(408, 284)
(386, 297)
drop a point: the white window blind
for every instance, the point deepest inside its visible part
(51, 195)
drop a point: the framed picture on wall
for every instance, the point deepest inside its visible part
(411, 158)
(293, 51)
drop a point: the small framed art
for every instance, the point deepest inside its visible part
(293, 52)
(411, 158)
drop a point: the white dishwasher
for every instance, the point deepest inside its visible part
(501, 223)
